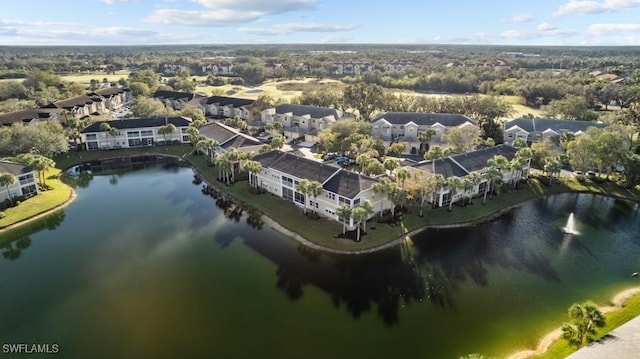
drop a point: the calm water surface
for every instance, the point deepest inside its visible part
(143, 265)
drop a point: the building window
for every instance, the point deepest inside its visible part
(313, 204)
(345, 201)
(299, 197)
(287, 181)
(330, 195)
(146, 133)
(92, 145)
(91, 136)
(356, 202)
(330, 211)
(133, 133)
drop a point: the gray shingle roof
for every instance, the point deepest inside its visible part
(227, 136)
(337, 180)
(24, 116)
(15, 169)
(424, 119)
(542, 124)
(313, 111)
(348, 184)
(139, 123)
(477, 160)
(174, 95)
(462, 164)
(106, 92)
(78, 101)
(296, 166)
(226, 101)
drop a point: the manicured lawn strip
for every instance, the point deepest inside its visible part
(57, 195)
(560, 349)
(73, 158)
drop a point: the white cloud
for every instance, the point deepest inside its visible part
(521, 18)
(585, 7)
(200, 18)
(226, 12)
(605, 29)
(545, 27)
(263, 6)
(284, 29)
(515, 34)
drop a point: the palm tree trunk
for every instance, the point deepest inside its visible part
(358, 235)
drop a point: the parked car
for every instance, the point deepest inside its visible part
(330, 156)
(341, 160)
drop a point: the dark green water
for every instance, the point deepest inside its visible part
(142, 265)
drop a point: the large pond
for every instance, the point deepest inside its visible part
(143, 265)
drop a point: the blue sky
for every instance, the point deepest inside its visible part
(133, 22)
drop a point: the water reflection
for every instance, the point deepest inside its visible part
(16, 241)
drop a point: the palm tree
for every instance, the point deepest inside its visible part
(276, 127)
(194, 135)
(7, 179)
(493, 177)
(278, 141)
(362, 161)
(435, 152)
(253, 168)
(207, 145)
(390, 164)
(397, 197)
(303, 187)
(359, 215)
(106, 128)
(344, 212)
(314, 189)
(224, 165)
(552, 166)
(401, 175)
(423, 188)
(382, 187)
(425, 137)
(585, 318)
(165, 130)
(500, 162)
(466, 186)
(236, 156)
(366, 204)
(374, 168)
(454, 183)
(441, 183)
(516, 165)
(475, 179)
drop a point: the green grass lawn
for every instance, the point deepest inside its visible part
(560, 348)
(46, 200)
(86, 78)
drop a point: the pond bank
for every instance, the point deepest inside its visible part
(547, 341)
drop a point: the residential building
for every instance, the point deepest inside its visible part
(81, 106)
(177, 100)
(172, 69)
(228, 137)
(282, 172)
(28, 117)
(25, 184)
(114, 97)
(302, 120)
(352, 68)
(406, 127)
(461, 165)
(135, 132)
(539, 129)
(218, 69)
(397, 66)
(225, 107)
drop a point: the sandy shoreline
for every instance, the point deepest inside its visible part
(617, 302)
